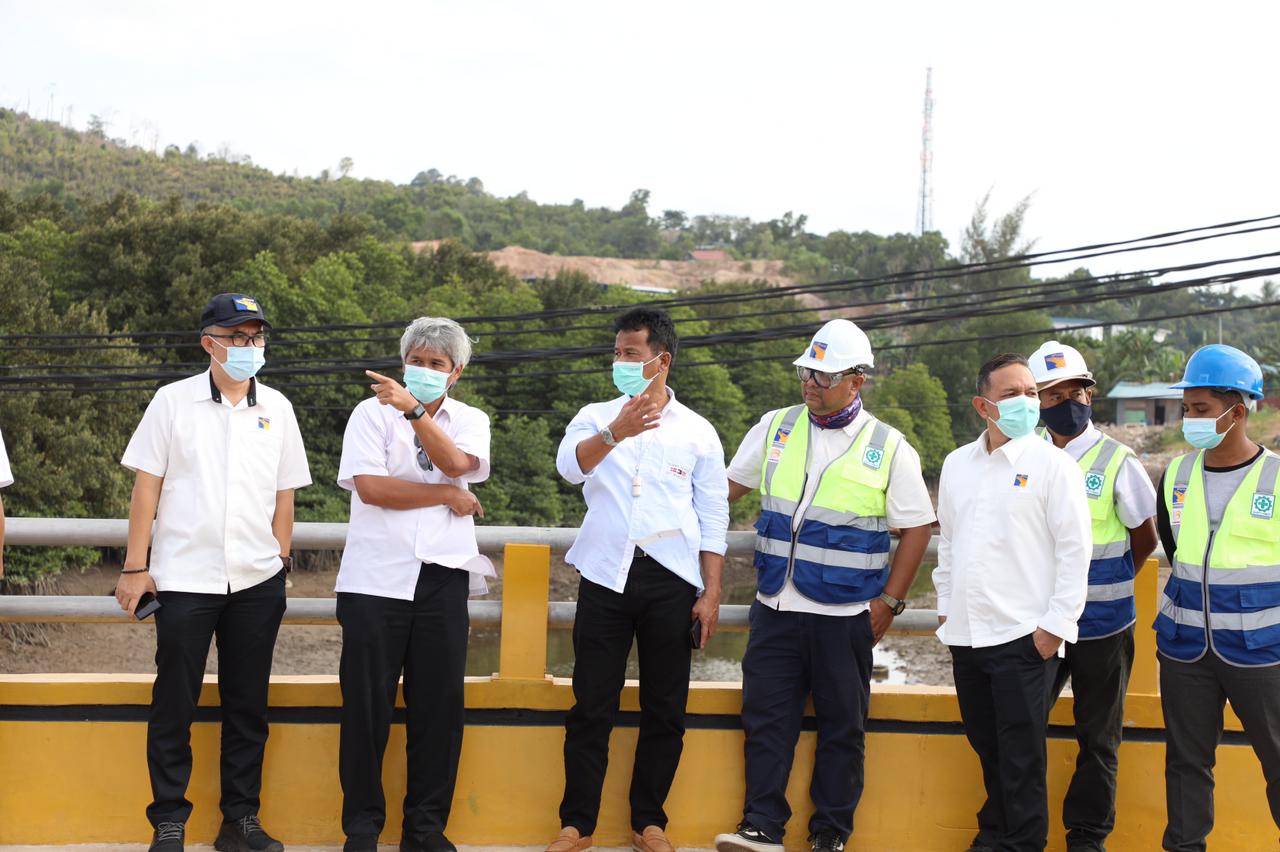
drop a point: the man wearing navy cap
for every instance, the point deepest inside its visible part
(216, 459)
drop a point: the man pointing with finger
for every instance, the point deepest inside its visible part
(649, 553)
(408, 456)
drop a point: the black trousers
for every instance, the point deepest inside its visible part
(1003, 692)
(1099, 671)
(1192, 697)
(426, 638)
(791, 655)
(245, 624)
(654, 608)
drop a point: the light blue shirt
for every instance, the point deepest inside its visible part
(682, 507)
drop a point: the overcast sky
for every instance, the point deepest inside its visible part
(1119, 119)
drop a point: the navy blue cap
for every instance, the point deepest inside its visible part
(231, 309)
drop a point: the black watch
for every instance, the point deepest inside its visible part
(895, 606)
(418, 411)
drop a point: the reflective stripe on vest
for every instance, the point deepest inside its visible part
(839, 553)
(1235, 569)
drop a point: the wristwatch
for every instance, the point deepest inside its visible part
(418, 411)
(895, 606)
(607, 437)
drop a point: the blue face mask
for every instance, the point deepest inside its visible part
(628, 376)
(1018, 415)
(426, 385)
(1202, 432)
(243, 362)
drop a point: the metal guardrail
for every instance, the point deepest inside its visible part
(113, 532)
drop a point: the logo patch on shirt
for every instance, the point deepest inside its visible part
(1179, 498)
(872, 458)
(1056, 361)
(1020, 480)
(245, 304)
(1263, 506)
(779, 443)
(677, 471)
(264, 423)
(1093, 482)
(817, 350)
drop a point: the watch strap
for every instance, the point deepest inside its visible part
(895, 606)
(418, 411)
(606, 435)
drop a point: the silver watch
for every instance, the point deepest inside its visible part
(607, 437)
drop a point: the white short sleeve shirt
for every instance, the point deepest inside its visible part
(907, 502)
(386, 547)
(222, 466)
(6, 474)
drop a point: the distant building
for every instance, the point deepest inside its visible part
(1147, 403)
(1088, 328)
(709, 254)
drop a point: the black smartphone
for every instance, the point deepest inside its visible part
(695, 634)
(147, 605)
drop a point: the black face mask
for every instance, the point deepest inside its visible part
(1068, 418)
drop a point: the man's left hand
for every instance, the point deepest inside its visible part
(881, 618)
(392, 393)
(707, 610)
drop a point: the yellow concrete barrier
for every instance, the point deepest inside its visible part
(73, 767)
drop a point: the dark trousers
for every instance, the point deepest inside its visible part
(1003, 692)
(426, 638)
(1099, 671)
(1192, 697)
(654, 608)
(245, 624)
(791, 655)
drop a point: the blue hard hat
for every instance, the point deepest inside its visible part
(1220, 366)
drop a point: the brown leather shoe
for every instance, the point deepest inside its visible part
(570, 840)
(652, 839)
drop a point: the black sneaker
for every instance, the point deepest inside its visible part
(747, 838)
(361, 843)
(168, 837)
(245, 835)
(431, 843)
(826, 841)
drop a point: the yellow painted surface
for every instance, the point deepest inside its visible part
(75, 781)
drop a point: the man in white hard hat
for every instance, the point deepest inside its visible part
(1122, 508)
(832, 480)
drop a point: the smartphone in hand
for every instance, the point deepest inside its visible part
(695, 634)
(147, 605)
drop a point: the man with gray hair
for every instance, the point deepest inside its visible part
(411, 561)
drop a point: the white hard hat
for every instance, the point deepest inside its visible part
(1056, 362)
(838, 345)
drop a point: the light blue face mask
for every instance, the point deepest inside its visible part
(628, 376)
(243, 362)
(425, 384)
(1018, 415)
(1202, 432)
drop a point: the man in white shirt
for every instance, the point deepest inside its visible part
(409, 454)
(1013, 567)
(833, 480)
(1122, 508)
(6, 479)
(216, 459)
(650, 553)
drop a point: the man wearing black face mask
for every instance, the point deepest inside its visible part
(1122, 508)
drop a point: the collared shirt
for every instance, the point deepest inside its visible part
(6, 475)
(386, 547)
(1135, 495)
(682, 507)
(1015, 543)
(907, 502)
(222, 466)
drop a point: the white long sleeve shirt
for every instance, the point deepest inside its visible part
(1015, 543)
(683, 505)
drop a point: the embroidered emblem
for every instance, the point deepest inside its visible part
(1020, 480)
(264, 423)
(245, 304)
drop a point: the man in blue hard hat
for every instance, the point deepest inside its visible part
(1218, 628)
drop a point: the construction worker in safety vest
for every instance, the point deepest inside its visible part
(1218, 627)
(1122, 507)
(833, 480)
